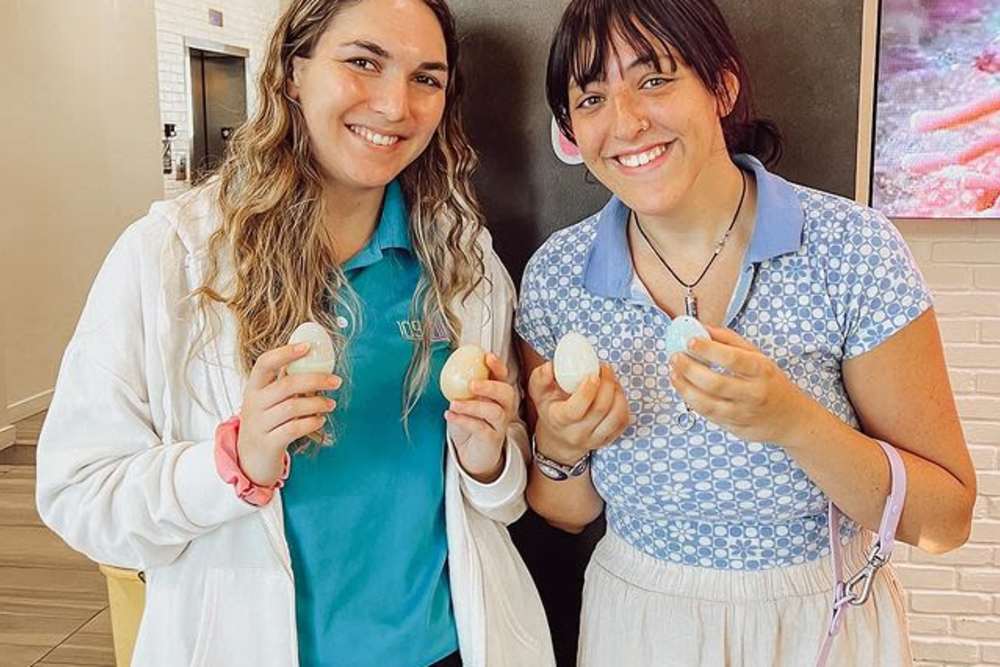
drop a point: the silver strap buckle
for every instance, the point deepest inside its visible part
(865, 578)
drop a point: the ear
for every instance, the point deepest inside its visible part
(730, 93)
(298, 63)
(565, 150)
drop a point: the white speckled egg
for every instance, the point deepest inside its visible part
(465, 364)
(682, 330)
(574, 361)
(320, 358)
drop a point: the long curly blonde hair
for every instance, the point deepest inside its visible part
(270, 196)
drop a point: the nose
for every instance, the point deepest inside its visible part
(390, 98)
(628, 123)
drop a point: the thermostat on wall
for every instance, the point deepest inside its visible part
(215, 17)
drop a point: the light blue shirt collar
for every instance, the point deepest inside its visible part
(777, 231)
(392, 230)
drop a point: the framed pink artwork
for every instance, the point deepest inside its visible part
(934, 128)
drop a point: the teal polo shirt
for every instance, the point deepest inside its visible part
(364, 517)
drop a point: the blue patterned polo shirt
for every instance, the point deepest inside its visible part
(823, 280)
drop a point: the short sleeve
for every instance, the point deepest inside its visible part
(532, 321)
(876, 282)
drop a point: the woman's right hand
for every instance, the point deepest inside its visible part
(278, 410)
(570, 426)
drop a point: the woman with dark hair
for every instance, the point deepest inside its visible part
(274, 526)
(721, 466)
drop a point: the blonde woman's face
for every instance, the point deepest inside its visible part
(373, 91)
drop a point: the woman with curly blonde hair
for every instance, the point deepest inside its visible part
(271, 524)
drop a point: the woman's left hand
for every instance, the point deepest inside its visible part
(754, 399)
(478, 426)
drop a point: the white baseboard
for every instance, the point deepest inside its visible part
(7, 436)
(29, 406)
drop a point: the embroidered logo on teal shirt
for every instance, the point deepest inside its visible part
(413, 330)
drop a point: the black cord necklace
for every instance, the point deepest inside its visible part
(690, 300)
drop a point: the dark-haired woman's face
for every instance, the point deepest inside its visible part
(373, 91)
(647, 135)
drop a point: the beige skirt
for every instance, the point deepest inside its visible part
(642, 612)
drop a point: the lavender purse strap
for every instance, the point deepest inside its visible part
(857, 589)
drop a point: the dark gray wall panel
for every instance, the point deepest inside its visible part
(527, 192)
(805, 59)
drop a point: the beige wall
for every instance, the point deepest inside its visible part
(80, 161)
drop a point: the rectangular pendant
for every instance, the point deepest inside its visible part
(691, 305)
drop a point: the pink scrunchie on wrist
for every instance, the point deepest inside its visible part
(227, 463)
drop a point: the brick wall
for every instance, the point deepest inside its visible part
(954, 600)
(246, 24)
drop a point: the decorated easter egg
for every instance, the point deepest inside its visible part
(321, 358)
(465, 364)
(575, 360)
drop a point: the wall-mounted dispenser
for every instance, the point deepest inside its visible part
(169, 132)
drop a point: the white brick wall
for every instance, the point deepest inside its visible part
(954, 600)
(246, 24)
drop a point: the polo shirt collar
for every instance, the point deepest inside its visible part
(777, 231)
(391, 232)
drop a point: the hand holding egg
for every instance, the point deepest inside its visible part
(483, 404)
(730, 382)
(594, 413)
(279, 409)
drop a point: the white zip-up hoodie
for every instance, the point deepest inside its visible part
(126, 473)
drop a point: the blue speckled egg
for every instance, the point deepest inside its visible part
(682, 330)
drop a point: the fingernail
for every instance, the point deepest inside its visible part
(302, 347)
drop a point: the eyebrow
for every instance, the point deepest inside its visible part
(431, 66)
(641, 61)
(655, 62)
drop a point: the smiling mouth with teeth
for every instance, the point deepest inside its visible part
(373, 137)
(641, 159)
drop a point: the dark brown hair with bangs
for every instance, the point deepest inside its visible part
(694, 30)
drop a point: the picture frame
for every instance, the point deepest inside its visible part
(929, 109)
